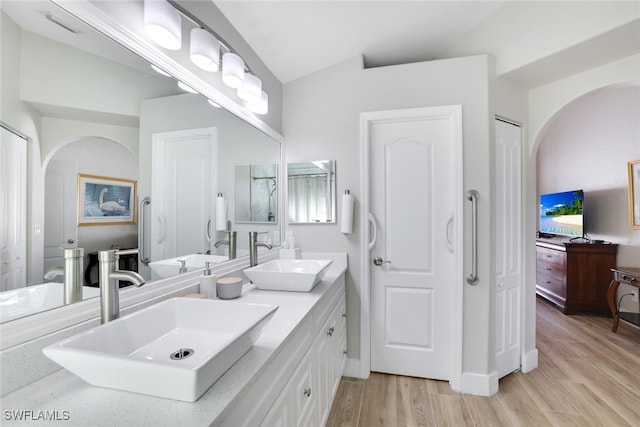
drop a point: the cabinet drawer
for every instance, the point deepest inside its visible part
(549, 256)
(552, 285)
(551, 263)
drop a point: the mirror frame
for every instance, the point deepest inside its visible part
(38, 325)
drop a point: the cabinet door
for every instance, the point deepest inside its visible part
(304, 392)
(280, 413)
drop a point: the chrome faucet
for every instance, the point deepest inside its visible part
(109, 277)
(231, 242)
(253, 247)
(72, 274)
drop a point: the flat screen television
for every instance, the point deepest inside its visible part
(562, 213)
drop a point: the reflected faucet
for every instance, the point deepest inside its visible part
(253, 247)
(72, 274)
(109, 277)
(231, 241)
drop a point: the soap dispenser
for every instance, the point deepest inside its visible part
(207, 283)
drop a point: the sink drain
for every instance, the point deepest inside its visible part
(183, 353)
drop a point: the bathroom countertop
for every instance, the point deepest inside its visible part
(65, 397)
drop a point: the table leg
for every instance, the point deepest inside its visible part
(611, 300)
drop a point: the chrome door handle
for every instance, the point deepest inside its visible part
(472, 196)
(141, 236)
(379, 261)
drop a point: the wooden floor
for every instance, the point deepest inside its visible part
(586, 376)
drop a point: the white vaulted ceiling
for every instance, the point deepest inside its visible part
(295, 38)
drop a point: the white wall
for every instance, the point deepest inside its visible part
(56, 74)
(587, 145)
(523, 32)
(321, 121)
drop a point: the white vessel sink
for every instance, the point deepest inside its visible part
(299, 275)
(171, 266)
(175, 349)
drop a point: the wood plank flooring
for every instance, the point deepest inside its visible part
(586, 376)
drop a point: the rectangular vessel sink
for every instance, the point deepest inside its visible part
(175, 349)
(299, 275)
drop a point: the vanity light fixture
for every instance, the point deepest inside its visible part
(162, 24)
(251, 89)
(232, 70)
(186, 87)
(204, 50)
(262, 106)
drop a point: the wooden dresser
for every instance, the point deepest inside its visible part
(574, 276)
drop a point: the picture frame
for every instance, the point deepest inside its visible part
(104, 200)
(634, 193)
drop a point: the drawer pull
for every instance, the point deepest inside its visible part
(307, 392)
(548, 282)
(548, 269)
(330, 331)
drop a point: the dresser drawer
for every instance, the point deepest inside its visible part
(552, 286)
(551, 263)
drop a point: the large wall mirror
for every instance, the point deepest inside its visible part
(89, 106)
(312, 192)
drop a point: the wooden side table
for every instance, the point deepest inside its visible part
(629, 276)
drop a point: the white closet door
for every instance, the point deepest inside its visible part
(508, 199)
(412, 199)
(13, 210)
(61, 206)
(182, 192)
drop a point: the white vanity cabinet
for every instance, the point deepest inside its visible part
(289, 377)
(306, 399)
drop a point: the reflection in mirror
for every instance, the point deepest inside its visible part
(256, 193)
(88, 106)
(312, 192)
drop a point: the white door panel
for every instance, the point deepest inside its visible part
(183, 184)
(60, 204)
(508, 199)
(13, 210)
(411, 197)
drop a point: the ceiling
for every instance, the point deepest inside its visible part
(296, 38)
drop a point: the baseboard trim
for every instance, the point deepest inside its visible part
(479, 384)
(530, 360)
(353, 369)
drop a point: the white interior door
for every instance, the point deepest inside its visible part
(508, 199)
(182, 192)
(61, 206)
(412, 200)
(13, 210)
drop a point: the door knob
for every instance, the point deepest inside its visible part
(379, 261)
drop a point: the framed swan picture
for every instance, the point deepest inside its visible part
(106, 201)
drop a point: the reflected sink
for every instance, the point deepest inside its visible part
(300, 275)
(175, 349)
(171, 266)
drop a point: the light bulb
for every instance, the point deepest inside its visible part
(251, 90)
(162, 24)
(204, 50)
(232, 70)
